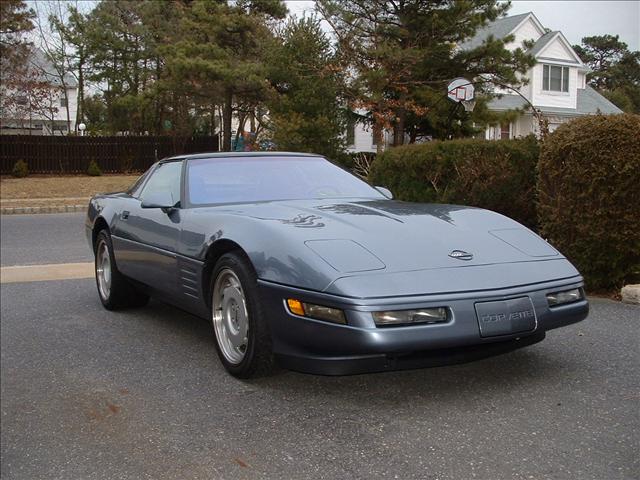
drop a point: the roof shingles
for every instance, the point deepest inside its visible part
(589, 102)
(499, 28)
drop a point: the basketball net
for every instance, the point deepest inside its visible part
(468, 104)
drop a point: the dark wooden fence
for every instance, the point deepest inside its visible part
(113, 154)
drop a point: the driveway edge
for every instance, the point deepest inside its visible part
(37, 210)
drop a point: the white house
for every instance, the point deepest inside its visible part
(556, 87)
(359, 137)
(556, 84)
(33, 102)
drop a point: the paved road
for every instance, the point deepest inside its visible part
(38, 239)
(90, 394)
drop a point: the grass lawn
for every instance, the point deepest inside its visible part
(47, 190)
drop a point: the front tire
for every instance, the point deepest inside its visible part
(243, 339)
(114, 290)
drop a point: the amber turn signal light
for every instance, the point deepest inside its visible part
(318, 312)
(295, 306)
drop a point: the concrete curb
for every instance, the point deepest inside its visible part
(37, 210)
(631, 294)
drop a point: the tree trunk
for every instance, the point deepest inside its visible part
(242, 120)
(378, 134)
(80, 106)
(398, 128)
(227, 114)
(66, 107)
(413, 135)
(158, 100)
(212, 127)
(252, 120)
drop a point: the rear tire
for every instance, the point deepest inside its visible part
(114, 289)
(243, 339)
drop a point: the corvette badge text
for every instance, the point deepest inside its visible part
(499, 317)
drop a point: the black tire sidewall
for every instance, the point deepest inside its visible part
(104, 237)
(257, 358)
(122, 293)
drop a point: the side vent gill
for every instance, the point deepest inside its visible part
(189, 281)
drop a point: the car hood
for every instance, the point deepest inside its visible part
(375, 235)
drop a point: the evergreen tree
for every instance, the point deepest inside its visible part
(16, 19)
(615, 71)
(305, 111)
(218, 54)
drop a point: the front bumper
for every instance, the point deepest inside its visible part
(320, 347)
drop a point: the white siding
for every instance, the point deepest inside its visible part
(557, 50)
(363, 139)
(582, 80)
(527, 31)
(541, 98)
(525, 90)
(72, 94)
(524, 126)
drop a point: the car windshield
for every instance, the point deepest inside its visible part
(256, 179)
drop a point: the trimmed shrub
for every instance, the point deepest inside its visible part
(94, 169)
(20, 169)
(589, 196)
(496, 175)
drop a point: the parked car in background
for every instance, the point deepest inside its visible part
(296, 261)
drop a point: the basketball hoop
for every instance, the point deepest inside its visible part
(469, 105)
(462, 91)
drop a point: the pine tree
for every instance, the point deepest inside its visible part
(305, 112)
(217, 54)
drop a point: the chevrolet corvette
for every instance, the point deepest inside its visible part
(294, 261)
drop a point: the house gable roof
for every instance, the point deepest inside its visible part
(499, 28)
(541, 48)
(542, 42)
(44, 68)
(507, 25)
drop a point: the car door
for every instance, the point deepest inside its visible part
(146, 238)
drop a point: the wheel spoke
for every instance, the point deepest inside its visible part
(103, 269)
(230, 318)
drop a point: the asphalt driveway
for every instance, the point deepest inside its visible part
(90, 394)
(38, 239)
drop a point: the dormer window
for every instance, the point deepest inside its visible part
(555, 79)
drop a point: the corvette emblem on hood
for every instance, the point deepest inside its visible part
(461, 255)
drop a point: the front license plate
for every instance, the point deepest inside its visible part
(506, 317)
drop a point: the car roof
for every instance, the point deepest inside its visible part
(214, 155)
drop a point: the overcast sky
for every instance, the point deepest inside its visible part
(575, 19)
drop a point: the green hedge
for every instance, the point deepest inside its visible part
(497, 175)
(589, 196)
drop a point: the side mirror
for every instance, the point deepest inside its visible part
(162, 199)
(386, 192)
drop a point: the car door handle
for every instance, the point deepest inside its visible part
(125, 215)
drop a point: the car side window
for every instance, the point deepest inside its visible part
(165, 178)
(135, 189)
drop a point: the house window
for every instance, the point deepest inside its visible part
(63, 101)
(505, 130)
(21, 100)
(555, 79)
